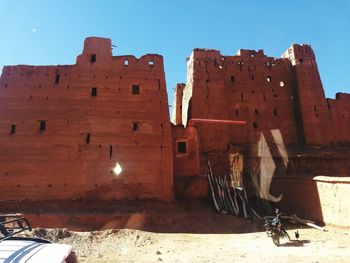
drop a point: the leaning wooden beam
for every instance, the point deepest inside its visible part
(305, 222)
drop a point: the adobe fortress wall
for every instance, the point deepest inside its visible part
(63, 128)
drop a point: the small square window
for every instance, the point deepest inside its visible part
(135, 89)
(93, 58)
(135, 126)
(181, 147)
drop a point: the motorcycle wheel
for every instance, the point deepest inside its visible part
(276, 240)
(285, 233)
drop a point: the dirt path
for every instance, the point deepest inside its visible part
(140, 246)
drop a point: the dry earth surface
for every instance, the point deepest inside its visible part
(187, 231)
(128, 245)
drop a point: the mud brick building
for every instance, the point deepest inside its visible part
(281, 100)
(63, 128)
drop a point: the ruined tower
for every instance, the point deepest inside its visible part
(311, 101)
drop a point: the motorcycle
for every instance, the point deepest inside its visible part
(274, 228)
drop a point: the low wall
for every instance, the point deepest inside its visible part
(322, 199)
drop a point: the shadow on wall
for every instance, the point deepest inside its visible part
(292, 196)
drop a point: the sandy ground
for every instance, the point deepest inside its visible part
(187, 231)
(128, 245)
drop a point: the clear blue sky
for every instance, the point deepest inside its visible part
(52, 32)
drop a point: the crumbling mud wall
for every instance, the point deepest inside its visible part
(340, 117)
(177, 104)
(281, 98)
(63, 128)
(311, 102)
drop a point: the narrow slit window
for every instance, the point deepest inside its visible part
(268, 78)
(94, 92)
(42, 125)
(57, 78)
(93, 58)
(126, 62)
(236, 111)
(13, 129)
(87, 139)
(181, 147)
(135, 126)
(275, 112)
(135, 89)
(255, 125)
(151, 63)
(233, 79)
(256, 111)
(110, 151)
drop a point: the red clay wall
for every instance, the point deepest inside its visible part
(185, 163)
(340, 117)
(249, 86)
(176, 117)
(322, 198)
(86, 135)
(311, 100)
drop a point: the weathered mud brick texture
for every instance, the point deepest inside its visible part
(63, 128)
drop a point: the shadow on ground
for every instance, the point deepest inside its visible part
(295, 243)
(187, 216)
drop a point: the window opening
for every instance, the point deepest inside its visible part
(93, 58)
(110, 151)
(13, 129)
(57, 78)
(181, 147)
(135, 89)
(87, 139)
(94, 92)
(42, 125)
(135, 126)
